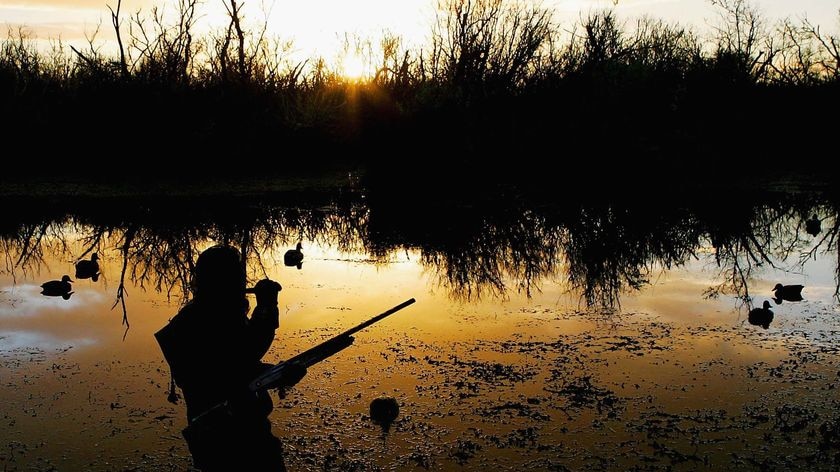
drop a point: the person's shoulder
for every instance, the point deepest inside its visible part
(177, 327)
(186, 313)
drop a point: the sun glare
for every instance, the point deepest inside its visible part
(355, 67)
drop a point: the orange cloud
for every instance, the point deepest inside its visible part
(87, 4)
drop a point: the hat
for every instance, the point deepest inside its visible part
(219, 269)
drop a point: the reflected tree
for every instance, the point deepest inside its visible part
(741, 240)
(157, 245)
(521, 250)
(827, 242)
(769, 232)
(475, 248)
(612, 249)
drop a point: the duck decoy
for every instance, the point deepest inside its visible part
(88, 269)
(58, 288)
(294, 257)
(383, 411)
(761, 316)
(812, 226)
(789, 293)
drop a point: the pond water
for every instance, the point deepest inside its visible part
(585, 338)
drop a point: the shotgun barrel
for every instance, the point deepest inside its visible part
(320, 352)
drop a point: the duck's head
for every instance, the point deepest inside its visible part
(66, 278)
(766, 304)
(94, 257)
(299, 246)
(778, 287)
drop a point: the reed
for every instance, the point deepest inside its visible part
(497, 76)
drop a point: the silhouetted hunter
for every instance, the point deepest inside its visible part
(214, 349)
(88, 269)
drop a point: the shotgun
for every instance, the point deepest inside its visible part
(312, 356)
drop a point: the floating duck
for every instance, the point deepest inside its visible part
(294, 257)
(812, 226)
(88, 269)
(761, 316)
(789, 293)
(58, 288)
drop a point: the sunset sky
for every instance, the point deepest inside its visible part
(317, 26)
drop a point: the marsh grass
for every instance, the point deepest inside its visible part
(497, 78)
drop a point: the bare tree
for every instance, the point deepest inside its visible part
(235, 22)
(494, 43)
(165, 51)
(115, 21)
(829, 50)
(743, 38)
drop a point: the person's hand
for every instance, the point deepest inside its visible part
(292, 374)
(266, 291)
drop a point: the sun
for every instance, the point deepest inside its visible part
(355, 67)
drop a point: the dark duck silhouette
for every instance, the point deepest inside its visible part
(383, 411)
(294, 257)
(88, 269)
(761, 316)
(812, 226)
(788, 293)
(58, 288)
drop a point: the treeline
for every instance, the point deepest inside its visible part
(499, 79)
(598, 248)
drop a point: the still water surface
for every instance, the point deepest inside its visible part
(514, 362)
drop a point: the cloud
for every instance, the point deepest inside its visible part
(14, 340)
(26, 301)
(34, 321)
(127, 5)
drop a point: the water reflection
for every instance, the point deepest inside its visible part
(597, 251)
(473, 385)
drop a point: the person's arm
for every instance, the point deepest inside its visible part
(265, 318)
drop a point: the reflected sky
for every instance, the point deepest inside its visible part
(511, 379)
(337, 288)
(15, 340)
(31, 320)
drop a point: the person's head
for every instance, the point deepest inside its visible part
(219, 274)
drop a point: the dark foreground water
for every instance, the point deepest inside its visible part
(546, 335)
